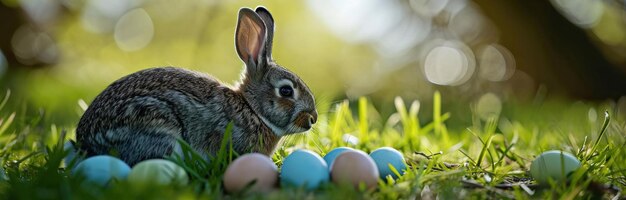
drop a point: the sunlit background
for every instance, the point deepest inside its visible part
(57, 54)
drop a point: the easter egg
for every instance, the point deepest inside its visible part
(355, 168)
(332, 155)
(159, 172)
(554, 164)
(385, 156)
(304, 168)
(101, 169)
(249, 168)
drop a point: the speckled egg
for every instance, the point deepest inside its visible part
(554, 164)
(385, 156)
(101, 169)
(159, 172)
(332, 155)
(355, 167)
(248, 168)
(304, 168)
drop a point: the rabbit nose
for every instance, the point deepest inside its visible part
(313, 117)
(307, 119)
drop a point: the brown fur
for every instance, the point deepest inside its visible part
(140, 116)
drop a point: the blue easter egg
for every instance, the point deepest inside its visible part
(304, 168)
(332, 155)
(385, 156)
(101, 169)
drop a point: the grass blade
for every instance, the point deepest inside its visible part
(363, 123)
(484, 149)
(4, 124)
(605, 124)
(6, 99)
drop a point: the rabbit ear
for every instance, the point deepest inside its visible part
(250, 41)
(269, 23)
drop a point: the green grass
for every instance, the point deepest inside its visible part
(447, 158)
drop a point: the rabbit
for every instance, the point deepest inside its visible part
(139, 117)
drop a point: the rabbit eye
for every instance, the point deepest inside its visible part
(285, 91)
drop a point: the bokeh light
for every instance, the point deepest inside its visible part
(428, 8)
(100, 16)
(407, 34)
(495, 62)
(31, 46)
(584, 13)
(610, 27)
(450, 63)
(468, 24)
(488, 106)
(134, 30)
(357, 20)
(41, 11)
(387, 25)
